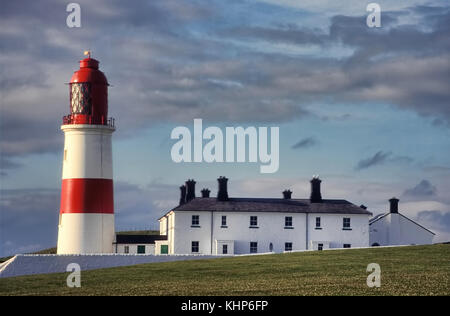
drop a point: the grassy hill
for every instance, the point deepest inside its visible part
(415, 270)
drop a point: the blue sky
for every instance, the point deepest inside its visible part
(366, 109)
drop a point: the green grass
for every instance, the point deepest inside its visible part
(416, 270)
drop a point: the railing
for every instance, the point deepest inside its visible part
(88, 119)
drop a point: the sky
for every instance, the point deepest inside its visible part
(366, 109)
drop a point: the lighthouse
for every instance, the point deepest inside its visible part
(86, 219)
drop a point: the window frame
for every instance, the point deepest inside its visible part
(224, 221)
(318, 221)
(140, 247)
(288, 224)
(195, 246)
(253, 221)
(197, 224)
(286, 246)
(347, 223)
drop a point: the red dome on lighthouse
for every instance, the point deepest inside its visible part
(88, 95)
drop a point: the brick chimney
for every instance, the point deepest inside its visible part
(394, 205)
(222, 194)
(205, 193)
(316, 196)
(182, 194)
(287, 194)
(190, 185)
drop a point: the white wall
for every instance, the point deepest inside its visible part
(82, 233)
(332, 230)
(149, 248)
(87, 151)
(395, 229)
(270, 229)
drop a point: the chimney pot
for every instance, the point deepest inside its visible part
(287, 194)
(182, 194)
(205, 193)
(222, 194)
(316, 196)
(394, 205)
(190, 185)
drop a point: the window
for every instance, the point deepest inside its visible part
(126, 249)
(65, 154)
(253, 221)
(287, 246)
(195, 220)
(253, 247)
(346, 223)
(224, 249)
(141, 249)
(224, 221)
(195, 246)
(320, 247)
(164, 249)
(318, 223)
(347, 246)
(288, 222)
(80, 98)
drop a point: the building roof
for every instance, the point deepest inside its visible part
(139, 239)
(380, 216)
(271, 205)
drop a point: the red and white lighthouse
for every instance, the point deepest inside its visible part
(86, 220)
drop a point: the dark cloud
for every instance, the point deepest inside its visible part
(305, 143)
(423, 189)
(168, 62)
(379, 158)
(382, 157)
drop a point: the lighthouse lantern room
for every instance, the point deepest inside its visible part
(86, 220)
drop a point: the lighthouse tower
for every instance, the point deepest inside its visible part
(86, 219)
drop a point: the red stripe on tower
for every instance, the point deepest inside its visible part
(87, 196)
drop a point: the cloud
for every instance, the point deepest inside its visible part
(436, 221)
(379, 158)
(29, 217)
(305, 143)
(423, 189)
(382, 157)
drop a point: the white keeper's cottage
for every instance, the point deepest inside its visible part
(393, 228)
(223, 225)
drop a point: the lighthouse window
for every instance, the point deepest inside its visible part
(80, 98)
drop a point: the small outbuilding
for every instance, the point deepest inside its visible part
(393, 228)
(137, 244)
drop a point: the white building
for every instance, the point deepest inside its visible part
(137, 243)
(226, 225)
(393, 228)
